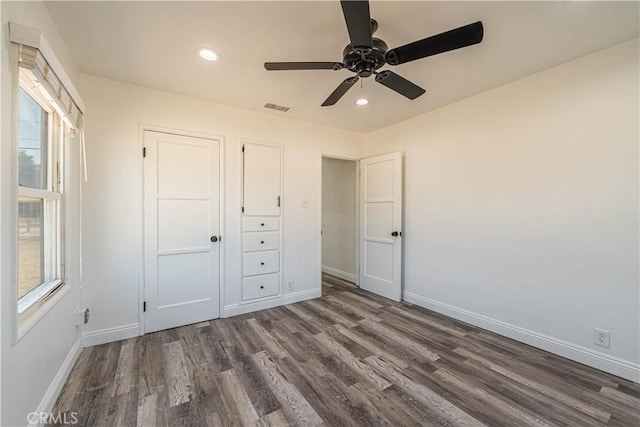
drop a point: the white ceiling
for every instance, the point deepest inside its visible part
(155, 44)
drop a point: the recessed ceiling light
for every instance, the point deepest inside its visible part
(208, 54)
(362, 101)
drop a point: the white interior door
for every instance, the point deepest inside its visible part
(181, 218)
(381, 225)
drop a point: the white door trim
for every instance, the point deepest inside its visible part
(142, 128)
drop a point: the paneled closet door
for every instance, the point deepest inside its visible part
(261, 195)
(181, 217)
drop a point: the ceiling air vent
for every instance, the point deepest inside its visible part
(276, 107)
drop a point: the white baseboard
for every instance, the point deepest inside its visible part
(604, 362)
(52, 393)
(349, 277)
(103, 336)
(236, 309)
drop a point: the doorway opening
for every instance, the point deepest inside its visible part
(339, 225)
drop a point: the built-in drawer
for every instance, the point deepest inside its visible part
(264, 285)
(260, 223)
(260, 263)
(266, 241)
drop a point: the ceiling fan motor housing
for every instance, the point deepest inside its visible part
(365, 62)
(365, 55)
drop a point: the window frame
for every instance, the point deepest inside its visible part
(53, 202)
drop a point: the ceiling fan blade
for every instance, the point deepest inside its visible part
(399, 84)
(340, 91)
(282, 66)
(450, 40)
(358, 20)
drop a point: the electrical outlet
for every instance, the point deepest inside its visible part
(601, 337)
(290, 285)
(82, 316)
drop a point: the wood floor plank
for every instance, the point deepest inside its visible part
(378, 402)
(620, 397)
(561, 397)
(221, 330)
(318, 353)
(359, 299)
(630, 416)
(358, 311)
(331, 406)
(178, 384)
(339, 318)
(213, 350)
(273, 347)
(364, 371)
(401, 340)
(104, 365)
(373, 347)
(427, 321)
(310, 316)
(509, 413)
(293, 403)
(206, 389)
(350, 358)
(123, 410)
(263, 400)
(232, 387)
(186, 414)
(126, 370)
(352, 346)
(274, 419)
(147, 411)
(447, 410)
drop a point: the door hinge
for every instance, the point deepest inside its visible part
(278, 201)
(144, 151)
(243, 209)
(144, 306)
(243, 148)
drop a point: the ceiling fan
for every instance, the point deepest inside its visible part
(366, 54)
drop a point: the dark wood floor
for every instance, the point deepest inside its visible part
(349, 358)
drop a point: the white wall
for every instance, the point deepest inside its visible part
(521, 208)
(30, 365)
(112, 222)
(339, 205)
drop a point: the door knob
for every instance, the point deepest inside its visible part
(396, 234)
(214, 239)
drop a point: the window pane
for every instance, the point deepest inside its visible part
(32, 143)
(30, 244)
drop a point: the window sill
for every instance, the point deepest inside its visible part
(35, 297)
(27, 320)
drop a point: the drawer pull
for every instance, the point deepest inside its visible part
(262, 263)
(262, 224)
(261, 286)
(262, 242)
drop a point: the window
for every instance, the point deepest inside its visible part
(40, 136)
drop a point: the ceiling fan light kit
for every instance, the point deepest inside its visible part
(366, 54)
